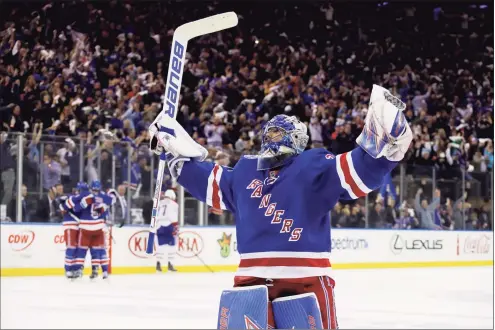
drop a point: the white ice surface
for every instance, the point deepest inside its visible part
(386, 298)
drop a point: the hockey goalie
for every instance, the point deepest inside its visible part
(281, 199)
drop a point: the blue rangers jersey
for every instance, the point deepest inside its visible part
(282, 217)
(66, 205)
(93, 210)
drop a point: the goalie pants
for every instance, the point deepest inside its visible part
(321, 286)
(95, 240)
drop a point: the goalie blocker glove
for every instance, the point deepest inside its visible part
(167, 135)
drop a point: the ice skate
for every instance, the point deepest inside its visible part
(171, 267)
(77, 274)
(94, 273)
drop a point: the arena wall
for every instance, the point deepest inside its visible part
(38, 249)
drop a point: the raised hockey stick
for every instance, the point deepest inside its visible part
(182, 35)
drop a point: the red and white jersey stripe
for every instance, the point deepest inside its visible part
(69, 203)
(284, 264)
(92, 224)
(348, 177)
(71, 224)
(214, 196)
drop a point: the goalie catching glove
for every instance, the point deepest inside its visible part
(168, 136)
(386, 131)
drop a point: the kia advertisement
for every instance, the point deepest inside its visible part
(189, 244)
(137, 244)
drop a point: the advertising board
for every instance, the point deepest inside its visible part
(38, 249)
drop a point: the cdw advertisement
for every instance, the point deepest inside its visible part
(39, 249)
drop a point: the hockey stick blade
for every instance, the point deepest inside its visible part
(207, 25)
(151, 242)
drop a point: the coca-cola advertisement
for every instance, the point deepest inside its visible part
(474, 244)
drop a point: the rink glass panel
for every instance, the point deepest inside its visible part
(112, 163)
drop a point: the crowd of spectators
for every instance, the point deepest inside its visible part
(83, 81)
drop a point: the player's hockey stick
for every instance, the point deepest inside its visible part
(204, 263)
(182, 35)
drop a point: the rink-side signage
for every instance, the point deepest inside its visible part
(39, 249)
(22, 240)
(138, 242)
(479, 243)
(400, 244)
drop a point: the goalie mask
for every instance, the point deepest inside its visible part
(282, 138)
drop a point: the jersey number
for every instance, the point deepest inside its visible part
(95, 211)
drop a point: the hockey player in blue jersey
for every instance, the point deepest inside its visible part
(281, 200)
(93, 210)
(70, 223)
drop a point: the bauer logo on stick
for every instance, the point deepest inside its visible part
(174, 79)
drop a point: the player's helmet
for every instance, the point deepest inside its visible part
(82, 186)
(169, 193)
(282, 138)
(96, 185)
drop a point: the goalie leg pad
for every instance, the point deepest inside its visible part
(244, 308)
(297, 312)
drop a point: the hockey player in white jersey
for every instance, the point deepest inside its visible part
(168, 216)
